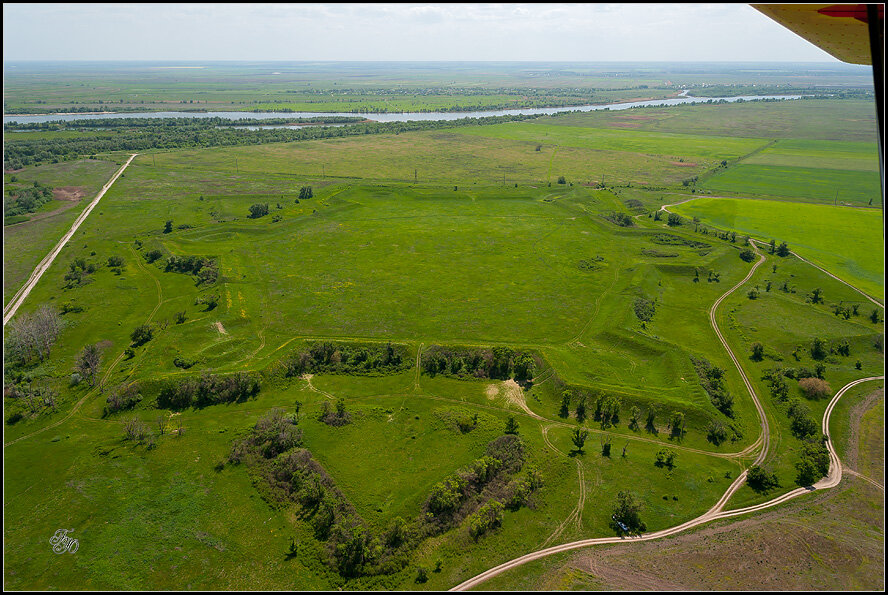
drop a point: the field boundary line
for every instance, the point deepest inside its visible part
(19, 297)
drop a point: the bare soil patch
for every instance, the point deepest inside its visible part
(220, 328)
(830, 541)
(72, 193)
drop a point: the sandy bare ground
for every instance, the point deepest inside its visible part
(220, 328)
(17, 300)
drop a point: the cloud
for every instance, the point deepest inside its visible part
(544, 32)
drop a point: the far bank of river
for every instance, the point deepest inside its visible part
(395, 117)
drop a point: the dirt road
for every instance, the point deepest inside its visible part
(17, 300)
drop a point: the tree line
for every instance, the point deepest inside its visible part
(195, 133)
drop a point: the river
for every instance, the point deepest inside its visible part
(396, 117)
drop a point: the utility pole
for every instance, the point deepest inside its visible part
(235, 165)
(153, 162)
(324, 170)
(414, 176)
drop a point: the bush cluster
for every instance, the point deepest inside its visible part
(712, 379)
(499, 363)
(209, 389)
(327, 357)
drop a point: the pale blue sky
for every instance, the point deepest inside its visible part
(526, 32)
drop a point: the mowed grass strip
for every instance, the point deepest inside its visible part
(846, 241)
(808, 183)
(822, 154)
(707, 148)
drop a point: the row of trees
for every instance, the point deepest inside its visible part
(500, 363)
(22, 151)
(712, 379)
(328, 357)
(208, 389)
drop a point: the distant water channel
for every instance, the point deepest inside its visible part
(395, 117)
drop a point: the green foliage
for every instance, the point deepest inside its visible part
(578, 437)
(208, 389)
(329, 357)
(712, 379)
(761, 480)
(258, 210)
(495, 363)
(19, 201)
(644, 309)
(627, 511)
(141, 334)
(665, 458)
(747, 255)
(814, 463)
(123, 397)
(489, 516)
(511, 425)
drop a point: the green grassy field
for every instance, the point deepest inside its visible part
(843, 240)
(26, 243)
(452, 257)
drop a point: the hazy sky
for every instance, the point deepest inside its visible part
(526, 32)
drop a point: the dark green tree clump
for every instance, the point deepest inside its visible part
(142, 334)
(747, 255)
(627, 514)
(761, 480)
(712, 379)
(122, 397)
(499, 363)
(258, 210)
(205, 270)
(370, 359)
(208, 389)
(644, 309)
(26, 200)
(305, 192)
(621, 219)
(814, 463)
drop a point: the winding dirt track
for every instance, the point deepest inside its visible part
(19, 297)
(832, 479)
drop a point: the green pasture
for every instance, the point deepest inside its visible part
(25, 244)
(824, 119)
(841, 155)
(846, 241)
(811, 184)
(679, 146)
(442, 157)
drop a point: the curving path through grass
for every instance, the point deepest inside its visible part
(831, 480)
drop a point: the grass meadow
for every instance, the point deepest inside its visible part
(415, 239)
(846, 241)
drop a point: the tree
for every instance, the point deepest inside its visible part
(142, 334)
(665, 458)
(816, 296)
(565, 404)
(760, 479)
(561, 180)
(818, 348)
(758, 351)
(627, 514)
(168, 227)
(305, 192)
(581, 410)
(634, 416)
(772, 247)
(783, 249)
(673, 220)
(677, 423)
(88, 363)
(874, 317)
(579, 438)
(33, 334)
(258, 210)
(747, 255)
(511, 425)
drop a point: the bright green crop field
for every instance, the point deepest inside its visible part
(418, 244)
(846, 241)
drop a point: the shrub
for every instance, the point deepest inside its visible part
(747, 255)
(815, 388)
(760, 479)
(142, 334)
(488, 516)
(122, 397)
